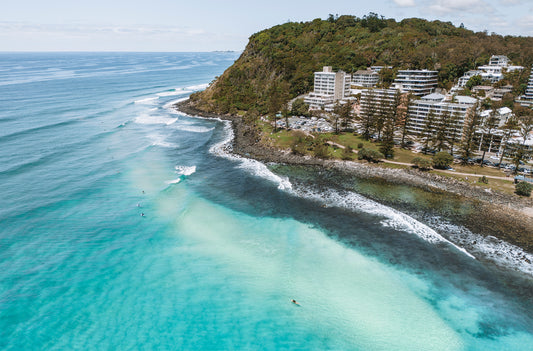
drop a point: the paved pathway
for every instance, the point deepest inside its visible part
(440, 170)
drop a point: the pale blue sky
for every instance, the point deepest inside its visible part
(205, 25)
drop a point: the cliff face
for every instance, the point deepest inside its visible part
(278, 63)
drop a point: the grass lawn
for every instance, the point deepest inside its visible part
(284, 139)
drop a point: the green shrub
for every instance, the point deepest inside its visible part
(299, 143)
(523, 188)
(321, 151)
(483, 180)
(360, 145)
(442, 160)
(347, 153)
(370, 155)
(422, 163)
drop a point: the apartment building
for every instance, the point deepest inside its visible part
(492, 74)
(502, 114)
(418, 82)
(435, 103)
(464, 79)
(527, 98)
(499, 60)
(329, 87)
(377, 101)
(498, 93)
(365, 78)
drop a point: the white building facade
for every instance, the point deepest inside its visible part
(419, 111)
(418, 82)
(527, 98)
(377, 101)
(329, 87)
(365, 78)
(499, 60)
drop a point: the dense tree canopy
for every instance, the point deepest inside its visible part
(283, 58)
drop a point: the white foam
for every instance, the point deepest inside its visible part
(159, 140)
(351, 200)
(174, 181)
(169, 93)
(169, 105)
(261, 170)
(174, 92)
(223, 149)
(151, 119)
(185, 170)
(194, 129)
(147, 101)
(498, 251)
(393, 218)
(198, 87)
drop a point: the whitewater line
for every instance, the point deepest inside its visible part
(396, 219)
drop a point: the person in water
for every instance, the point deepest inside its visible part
(142, 214)
(294, 302)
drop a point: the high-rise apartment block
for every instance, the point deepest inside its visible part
(329, 87)
(418, 82)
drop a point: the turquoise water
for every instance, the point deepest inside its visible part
(88, 144)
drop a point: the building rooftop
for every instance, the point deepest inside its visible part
(501, 111)
(460, 99)
(482, 87)
(366, 72)
(434, 97)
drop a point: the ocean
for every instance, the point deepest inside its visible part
(126, 225)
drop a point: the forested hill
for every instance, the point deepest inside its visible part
(278, 63)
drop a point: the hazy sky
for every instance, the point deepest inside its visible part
(205, 25)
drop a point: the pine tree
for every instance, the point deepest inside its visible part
(387, 142)
(343, 112)
(525, 127)
(441, 130)
(508, 129)
(391, 117)
(366, 119)
(403, 119)
(453, 134)
(471, 123)
(346, 114)
(488, 128)
(427, 135)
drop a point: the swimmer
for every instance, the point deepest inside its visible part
(294, 302)
(142, 214)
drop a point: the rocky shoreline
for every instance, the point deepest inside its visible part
(504, 216)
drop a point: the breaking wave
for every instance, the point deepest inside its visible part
(159, 140)
(151, 119)
(147, 101)
(183, 172)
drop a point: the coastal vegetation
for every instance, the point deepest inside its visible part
(524, 188)
(278, 63)
(442, 160)
(264, 87)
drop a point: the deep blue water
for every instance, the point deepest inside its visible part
(88, 144)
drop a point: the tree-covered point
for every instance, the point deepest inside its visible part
(279, 62)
